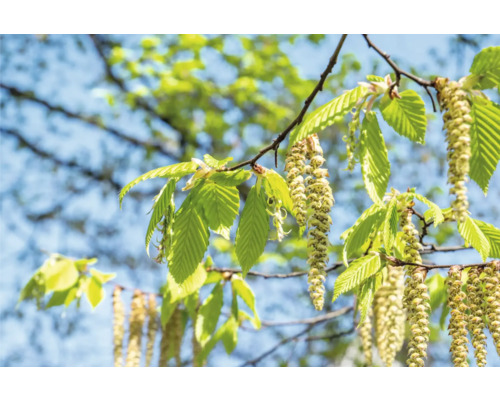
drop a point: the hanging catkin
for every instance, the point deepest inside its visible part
(365, 334)
(136, 322)
(152, 328)
(118, 326)
(476, 323)
(457, 327)
(320, 198)
(395, 321)
(171, 339)
(294, 165)
(492, 300)
(457, 121)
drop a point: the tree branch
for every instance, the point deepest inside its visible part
(319, 87)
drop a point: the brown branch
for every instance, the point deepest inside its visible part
(400, 72)
(310, 321)
(95, 121)
(319, 87)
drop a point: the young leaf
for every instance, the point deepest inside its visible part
(327, 114)
(253, 229)
(59, 272)
(486, 66)
(220, 205)
(276, 186)
(231, 178)
(375, 165)
(95, 292)
(406, 115)
(242, 289)
(472, 234)
(493, 235)
(214, 163)
(228, 333)
(358, 271)
(171, 171)
(101, 276)
(391, 225)
(163, 204)
(59, 298)
(191, 285)
(208, 315)
(366, 293)
(434, 210)
(190, 237)
(485, 141)
(363, 228)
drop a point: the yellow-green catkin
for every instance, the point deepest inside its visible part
(320, 199)
(136, 322)
(118, 326)
(380, 307)
(152, 328)
(170, 344)
(476, 322)
(365, 334)
(416, 298)
(457, 121)
(457, 327)
(294, 165)
(491, 281)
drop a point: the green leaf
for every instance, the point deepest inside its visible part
(59, 298)
(228, 333)
(60, 273)
(171, 171)
(163, 207)
(391, 224)
(253, 230)
(220, 205)
(374, 78)
(472, 234)
(276, 186)
(167, 309)
(101, 276)
(214, 163)
(493, 235)
(327, 114)
(486, 66)
(191, 303)
(485, 141)
(358, 271)
(366, 294)
(435, 211)
(190, 238)
(375, 165)
(243, 290)
(437, 290)
(191, 285)
(95, 292)
(366, 224)
(208, 315)
(406, 115)
(231, 178)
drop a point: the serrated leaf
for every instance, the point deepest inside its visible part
(191, 285)
(220, 205)
(243, 290)
(486, 66)
(191, 303)
(276, 186)
(358, 271)
(101, 276)
(172, 171)
(366, 294)
(374, 78)
(214, 163)
(60, 273)
(375, 165)
(208, 315)
(231, 178)
(472, 234)
(360, 234)
(434, 210)
(493, 235)
(190, 237)
(485, 141)
(327, 114)
(391, 224)
(95, 292)
(253, 230)
(162, 208)
(406, 115)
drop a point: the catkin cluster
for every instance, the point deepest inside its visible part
(389, 315)
(491, 281)
(416, 295)
(136, 322)
(152, 328)
(457, 327)
(457, 121)
(171, 339)
(365, 334)
(476, 322)
(295, 164)
(118, 326)
(320, 199)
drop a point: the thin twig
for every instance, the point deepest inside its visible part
(310, 321)
(319, 87)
